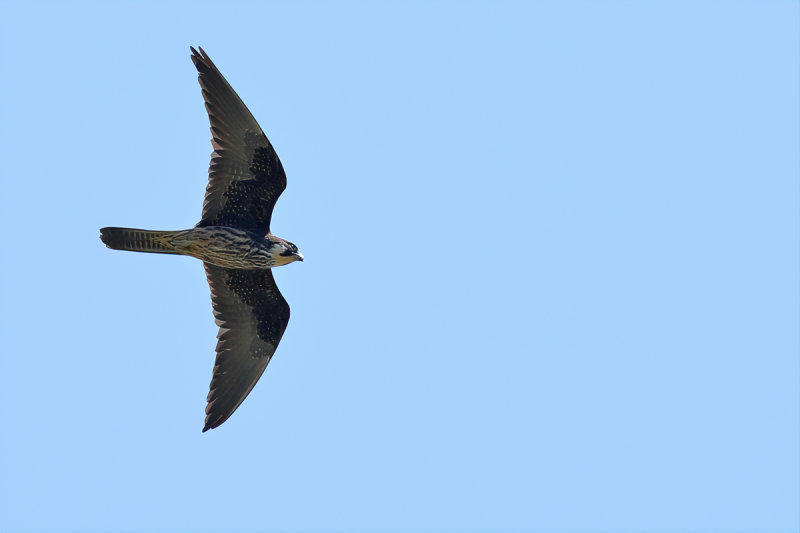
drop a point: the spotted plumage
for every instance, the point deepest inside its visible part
(234, 242)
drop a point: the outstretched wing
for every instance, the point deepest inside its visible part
(252, 316)
(246, 177)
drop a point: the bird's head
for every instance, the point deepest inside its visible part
(283, 252)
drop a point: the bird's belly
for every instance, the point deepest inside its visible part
(222, 246)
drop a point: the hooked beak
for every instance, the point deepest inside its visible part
(298, 256)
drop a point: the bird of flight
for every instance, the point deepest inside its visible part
(234, 242)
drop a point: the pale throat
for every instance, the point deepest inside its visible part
(282, 259)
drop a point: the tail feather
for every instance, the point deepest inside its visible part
(138, 240)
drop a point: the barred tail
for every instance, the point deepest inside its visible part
(138, 240)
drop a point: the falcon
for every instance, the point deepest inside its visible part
(234, 242)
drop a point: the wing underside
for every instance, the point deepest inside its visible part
(252, 315)
(245, 175)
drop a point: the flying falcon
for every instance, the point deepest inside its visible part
(234, 242)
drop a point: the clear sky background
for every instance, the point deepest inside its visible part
(551, 276)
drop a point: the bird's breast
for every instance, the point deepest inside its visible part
(226, 247)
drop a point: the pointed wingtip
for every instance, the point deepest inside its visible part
(198, 52)
(211, 422)
(201, 60)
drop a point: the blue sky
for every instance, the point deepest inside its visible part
(551, 276)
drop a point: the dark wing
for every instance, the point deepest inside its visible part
(252, 316)
(246, 177)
